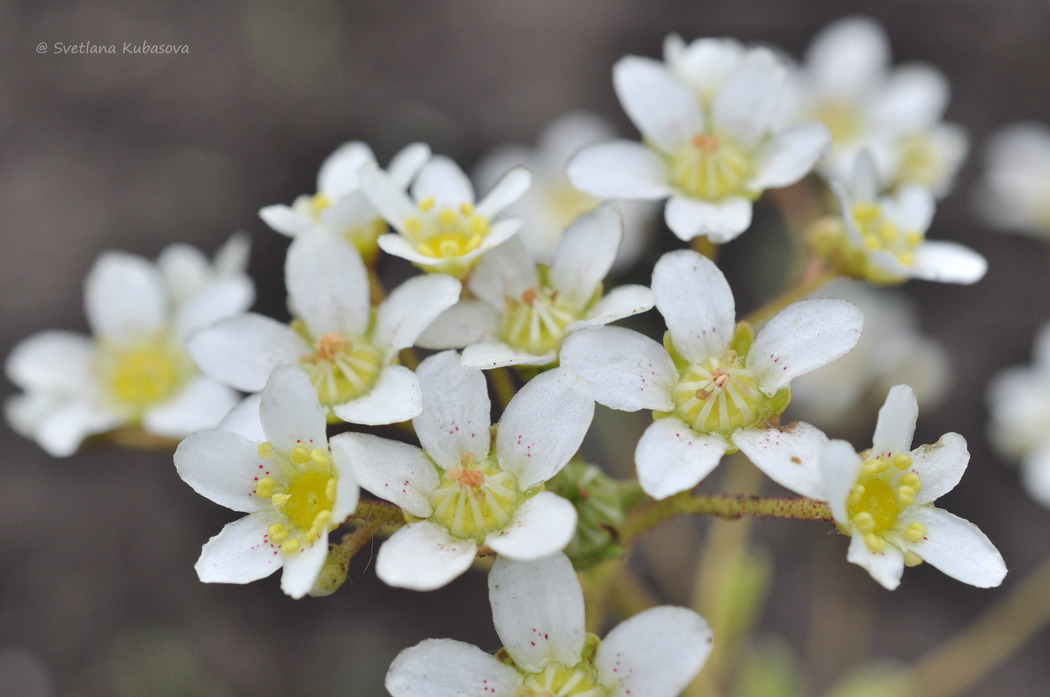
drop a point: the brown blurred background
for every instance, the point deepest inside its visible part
(97, 590)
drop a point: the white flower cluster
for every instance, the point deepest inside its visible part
(721, 123)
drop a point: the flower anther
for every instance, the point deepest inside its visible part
(447, 233)
(557, 680)
(711, 167)
(885, 487)
(536, 321)
(341, 369)
(144, 374)
(475, 498)
(302, 487)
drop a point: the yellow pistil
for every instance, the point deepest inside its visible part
(301, 486)
(145, 373)
(884, 488)
(557, 680)
(342, 369)
(711, 167)
(475, 498)
(536, 321)
(447, 234)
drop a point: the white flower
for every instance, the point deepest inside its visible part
(537, 608)
(442, 229)
(552, 202)
(187, 271)
(713, 387)
(522, 313)
(883, 239)
(467, 488)
(1016, 191)
(1019, 405)
(883, 498)
(846, 84)
(711, 159)
(350, 355)
(339, 204)
(270, 459)
(704, 64)
(134, 370)
(891, 350)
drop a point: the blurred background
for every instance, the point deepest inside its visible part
(97, 590)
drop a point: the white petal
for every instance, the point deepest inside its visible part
(948, 262)
(1035, 475)
(347, 490)
(957, 547)
(745, 103)
(543, 426)
(656, 653)
(722, 221)
(505, 272)
(397, 472)
(840, 465)
(241, 351)
(911, 209)
(465, 323)
(585, 253)
(790, 456)
(487, 355)
(400, 246)
(423, 556)
(338, 174)
(511, 187)
(849, 57)
(387, 197)
(940, 466)
(543, 525)
(240, 553)
(52, 360)
(124, 297)
(444, 181)
(456, 410)
(291, 414)
(231, 258)
(791, 155)
(285, 220)
(620, 169)
(327, 284)
(618, 303)
(395, 397)
(895, 427)
(405, 165)
(200, 405)
(696, 302)
(447, 668)
(914, 98)
(185, 269)
(671, 457)
(244, 420)
(660, 105)
(627, 370)
(537, 608)
(803, 337)
(302, 568)
(61, 431)
(217, 300)
(412, 306)
(886, 566)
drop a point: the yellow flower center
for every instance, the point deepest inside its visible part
(845, 122)
(447, 234)
(302, 487)
(884, 488)
(556, 680)
(475, 498)
(919, 161)
(364, 236)
(342, 369)
(145, 373)
(711, 167)
(536, 322)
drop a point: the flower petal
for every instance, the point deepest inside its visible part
(696, 302)
(242, 351)
(849, 57)
(407, 162)
(487, 355)
(395, 397)
(948, 262)
(244, 420)
(240, 553)
(338, 174)
(124, 298)
(721, 221)
(63, 425)
(217, 300)
(511, 187)
(913, 99)
(543, 525)
(185, 269)
(397, 472)
(840, 464)
(803, 337)
(302, 568)
(388, 198)
(538, 611)
(327, 284)
(585, 253)
(285, 220)
(465, 323)
(447, 668)
(412, 306)
(747, 99)
(456, 410)
(199, 405)
(1035, 475)
(656, 653)
(620, 169)
(660, 105)
(791, 155)
(957, 547)
(423, 556)
(671, 457)
(940, 466)
(53, 360)
(627, 370)
(444, 181)
(618, 303)
(886, 566)
(895, 427)
(505, 272)
(291, 414)
(790, 456)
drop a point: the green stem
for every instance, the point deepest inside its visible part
(727, 506)
(378, 513)
(503, 384)
(705, 246)
(138, 439)
(814, 277)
